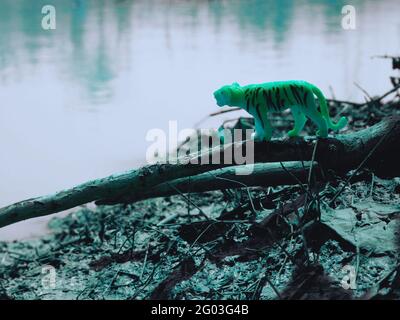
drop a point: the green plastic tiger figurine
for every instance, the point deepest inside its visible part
(259, 99)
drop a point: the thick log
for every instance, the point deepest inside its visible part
(375, 147)
(262, 174)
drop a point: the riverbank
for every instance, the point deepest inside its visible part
(229, 244)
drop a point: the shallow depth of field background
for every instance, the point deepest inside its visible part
(77, 102)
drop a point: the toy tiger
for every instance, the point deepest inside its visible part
(259, 99)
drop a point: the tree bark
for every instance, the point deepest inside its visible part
(262, 174)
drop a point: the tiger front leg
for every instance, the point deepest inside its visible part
(266, 125)
(258, 134)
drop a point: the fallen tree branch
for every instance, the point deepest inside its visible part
(104, 188)
(262, 174)
(343, 153)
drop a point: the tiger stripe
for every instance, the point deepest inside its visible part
(295, 93)
(302, 93)
(274, 98)
(290, 99)
(259, 115)
(253, 98)
(270, 103)
(280, 102)
(305, 97)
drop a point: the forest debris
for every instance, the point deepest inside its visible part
(368, 232)
(185, 270)
(123, 257)
(312, 283)
(387, 288)
(203, 231)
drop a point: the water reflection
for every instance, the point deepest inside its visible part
(93, 41)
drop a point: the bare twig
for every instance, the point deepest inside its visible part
(363, 90)
(359, 167)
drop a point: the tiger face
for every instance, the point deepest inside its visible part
(225, 95)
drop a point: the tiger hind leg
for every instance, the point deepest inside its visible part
(299, 121)
(311, 111)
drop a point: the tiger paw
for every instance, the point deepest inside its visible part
(256, 137)
(322, 134)
(293, 133)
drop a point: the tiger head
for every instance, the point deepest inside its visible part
(228, 95)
